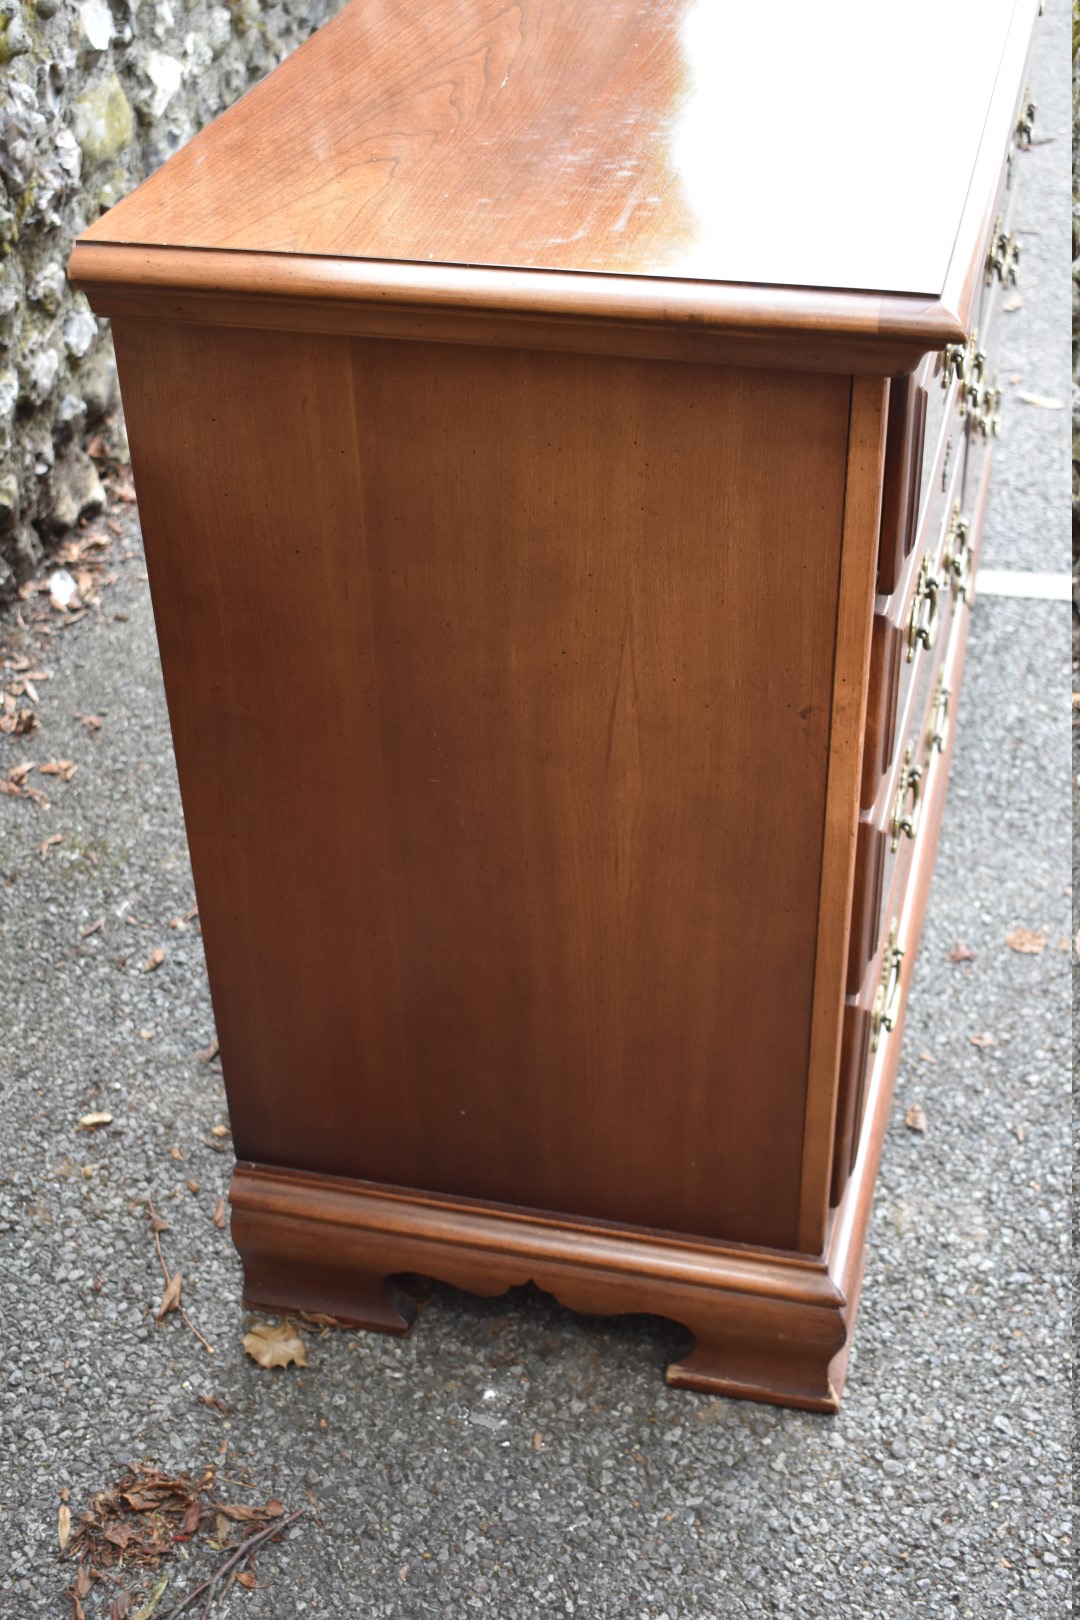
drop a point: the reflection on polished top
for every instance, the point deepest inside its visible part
(787, 144)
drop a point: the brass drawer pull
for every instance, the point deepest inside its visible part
(1003, 259)
(986, 411)
(938, 733)
(925, 613)
(886, 1009)
(906, 817)
(965, 362)
(957, 559)
(1027, 120)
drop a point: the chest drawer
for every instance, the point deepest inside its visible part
(908, 626)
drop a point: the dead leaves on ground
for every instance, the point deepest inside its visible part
(15, 785)
(130, 1530)
(153, 961)
(960, 953)
(1042, 402)
(1027, 941)
(171, 1298)
(279, 1346)
(915, 1119)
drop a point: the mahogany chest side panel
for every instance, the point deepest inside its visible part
(500, 685)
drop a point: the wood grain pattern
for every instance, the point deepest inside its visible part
(472, 673)
(646, 137)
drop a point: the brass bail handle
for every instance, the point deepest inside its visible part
(1027, 120)
(958, 559)
(925, 611)
(886, 1009)
(906, 815)
(938, 732)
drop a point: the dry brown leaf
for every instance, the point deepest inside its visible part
(63, 1526)
(1042, 401)
(122, 1607)
(177, 1154)
(153, 961)
(219, 1214)
(1028, 941)
(275, 1346)
(960, 953)
(93, 928)
(18, 774)
(82, 1582)
(171, 1298)
(47, 844)
(246, 1579)
(92, 722)
(240, 1513)
(91, 1122)
(192, 1517)
(192, 1186)
(982, 1041)
(538, 1441)
(63, 768)
(915, 1119)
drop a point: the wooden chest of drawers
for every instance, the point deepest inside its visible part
(561, 510)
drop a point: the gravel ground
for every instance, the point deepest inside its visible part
(510, 1459)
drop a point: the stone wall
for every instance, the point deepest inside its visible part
(94, 95)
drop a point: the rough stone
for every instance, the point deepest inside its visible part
(47, 288)
(103, 121)
(80, 330)
(38, 375)
(97, 383)
(9, 502)
(75, 491)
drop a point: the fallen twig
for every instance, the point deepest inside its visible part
(156, 1223)
(230, 1563)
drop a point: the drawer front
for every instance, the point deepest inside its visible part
(1002, 257)
(889, 831)
(907, 629)
(943, 435)
(902, 484)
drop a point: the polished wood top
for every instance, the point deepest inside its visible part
(830, 146)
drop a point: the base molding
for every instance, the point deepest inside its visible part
(767, 1326)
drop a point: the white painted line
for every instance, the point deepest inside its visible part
(1032, 587)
